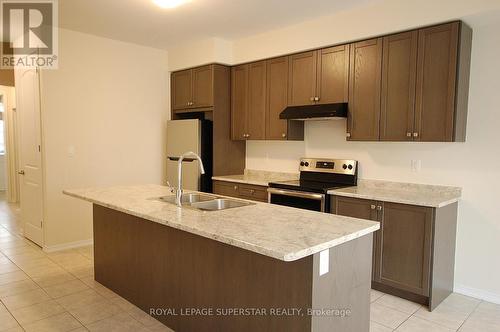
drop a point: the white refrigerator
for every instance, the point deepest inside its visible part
(190, 135)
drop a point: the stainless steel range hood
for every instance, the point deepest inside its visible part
(315, 112)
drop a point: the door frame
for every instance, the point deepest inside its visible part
(42, 148)
(11, 134)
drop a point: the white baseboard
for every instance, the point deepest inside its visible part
(70, 245)
(477, 293)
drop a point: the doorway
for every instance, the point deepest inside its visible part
(9, 161)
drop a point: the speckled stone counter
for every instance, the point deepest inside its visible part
(279, 232)
(399, 192)
(258, 178)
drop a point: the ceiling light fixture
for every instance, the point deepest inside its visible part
(170, 3)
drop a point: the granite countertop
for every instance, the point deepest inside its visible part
(276, 231)
(405, 193)
(257, 177)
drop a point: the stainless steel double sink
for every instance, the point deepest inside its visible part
(206, 202)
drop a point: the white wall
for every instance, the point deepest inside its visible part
(104, 113)
(203, 52)
(472, 165)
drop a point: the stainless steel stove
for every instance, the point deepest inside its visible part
(317, 176)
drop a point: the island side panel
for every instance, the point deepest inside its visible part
(346, 286)
(171, 269)
(115, 252)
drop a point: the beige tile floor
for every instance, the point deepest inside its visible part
(57, 292)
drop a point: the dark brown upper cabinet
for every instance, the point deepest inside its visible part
(248, 102)
(333, 75)
(181, 89)
(399, 70)
(277, 98)
(203, 91)
(442, 82)
(422, 94)
(239, 101)
(193, 88)
(302, 78)
(363, 122)
(257, 98)
(319, 77)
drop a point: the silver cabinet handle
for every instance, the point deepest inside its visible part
(373, 207)
(312, 99)
(235, 187)
(252, 191)
(379, 208)
(283, 135)
(316, 98)
(415, 134)
(21, 172)
(348, 135)
(408, 134)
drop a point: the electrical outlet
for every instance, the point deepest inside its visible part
(71, 152)
(416, 166)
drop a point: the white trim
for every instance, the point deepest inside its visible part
(70, 245)
(477, 293)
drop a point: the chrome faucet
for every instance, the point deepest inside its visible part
(178, 192)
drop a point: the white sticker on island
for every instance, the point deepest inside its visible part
(324, 262)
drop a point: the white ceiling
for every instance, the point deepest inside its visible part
(142, 22)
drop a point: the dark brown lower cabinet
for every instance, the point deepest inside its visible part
(240, 190)
(414, 251)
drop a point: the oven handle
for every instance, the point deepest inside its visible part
(300, 194)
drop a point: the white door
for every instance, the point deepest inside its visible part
(31, 193)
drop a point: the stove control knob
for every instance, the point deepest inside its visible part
(307, 164)
(302, 164)
(344, 166)
(350, 167)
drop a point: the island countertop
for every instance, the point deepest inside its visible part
(280, 232)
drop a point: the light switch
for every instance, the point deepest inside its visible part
(324, 262)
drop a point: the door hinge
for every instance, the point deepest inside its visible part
(39, 148)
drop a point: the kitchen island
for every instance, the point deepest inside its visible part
(259, 267)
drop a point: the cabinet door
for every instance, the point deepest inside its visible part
(399, 70)
(277, 94)
(239, 101)
(203, 91)
(436, 82)
(182, 89)
(256, 110)
(302, 78)
(333, 75)
(364, 90)
(226, 188)
(403, 258)
(356, 208)
(362, 209)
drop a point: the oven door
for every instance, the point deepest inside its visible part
(297, 199)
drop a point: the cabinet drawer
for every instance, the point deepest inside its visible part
(226, 188)
(257, 193)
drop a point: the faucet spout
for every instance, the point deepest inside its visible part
(178, 193)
